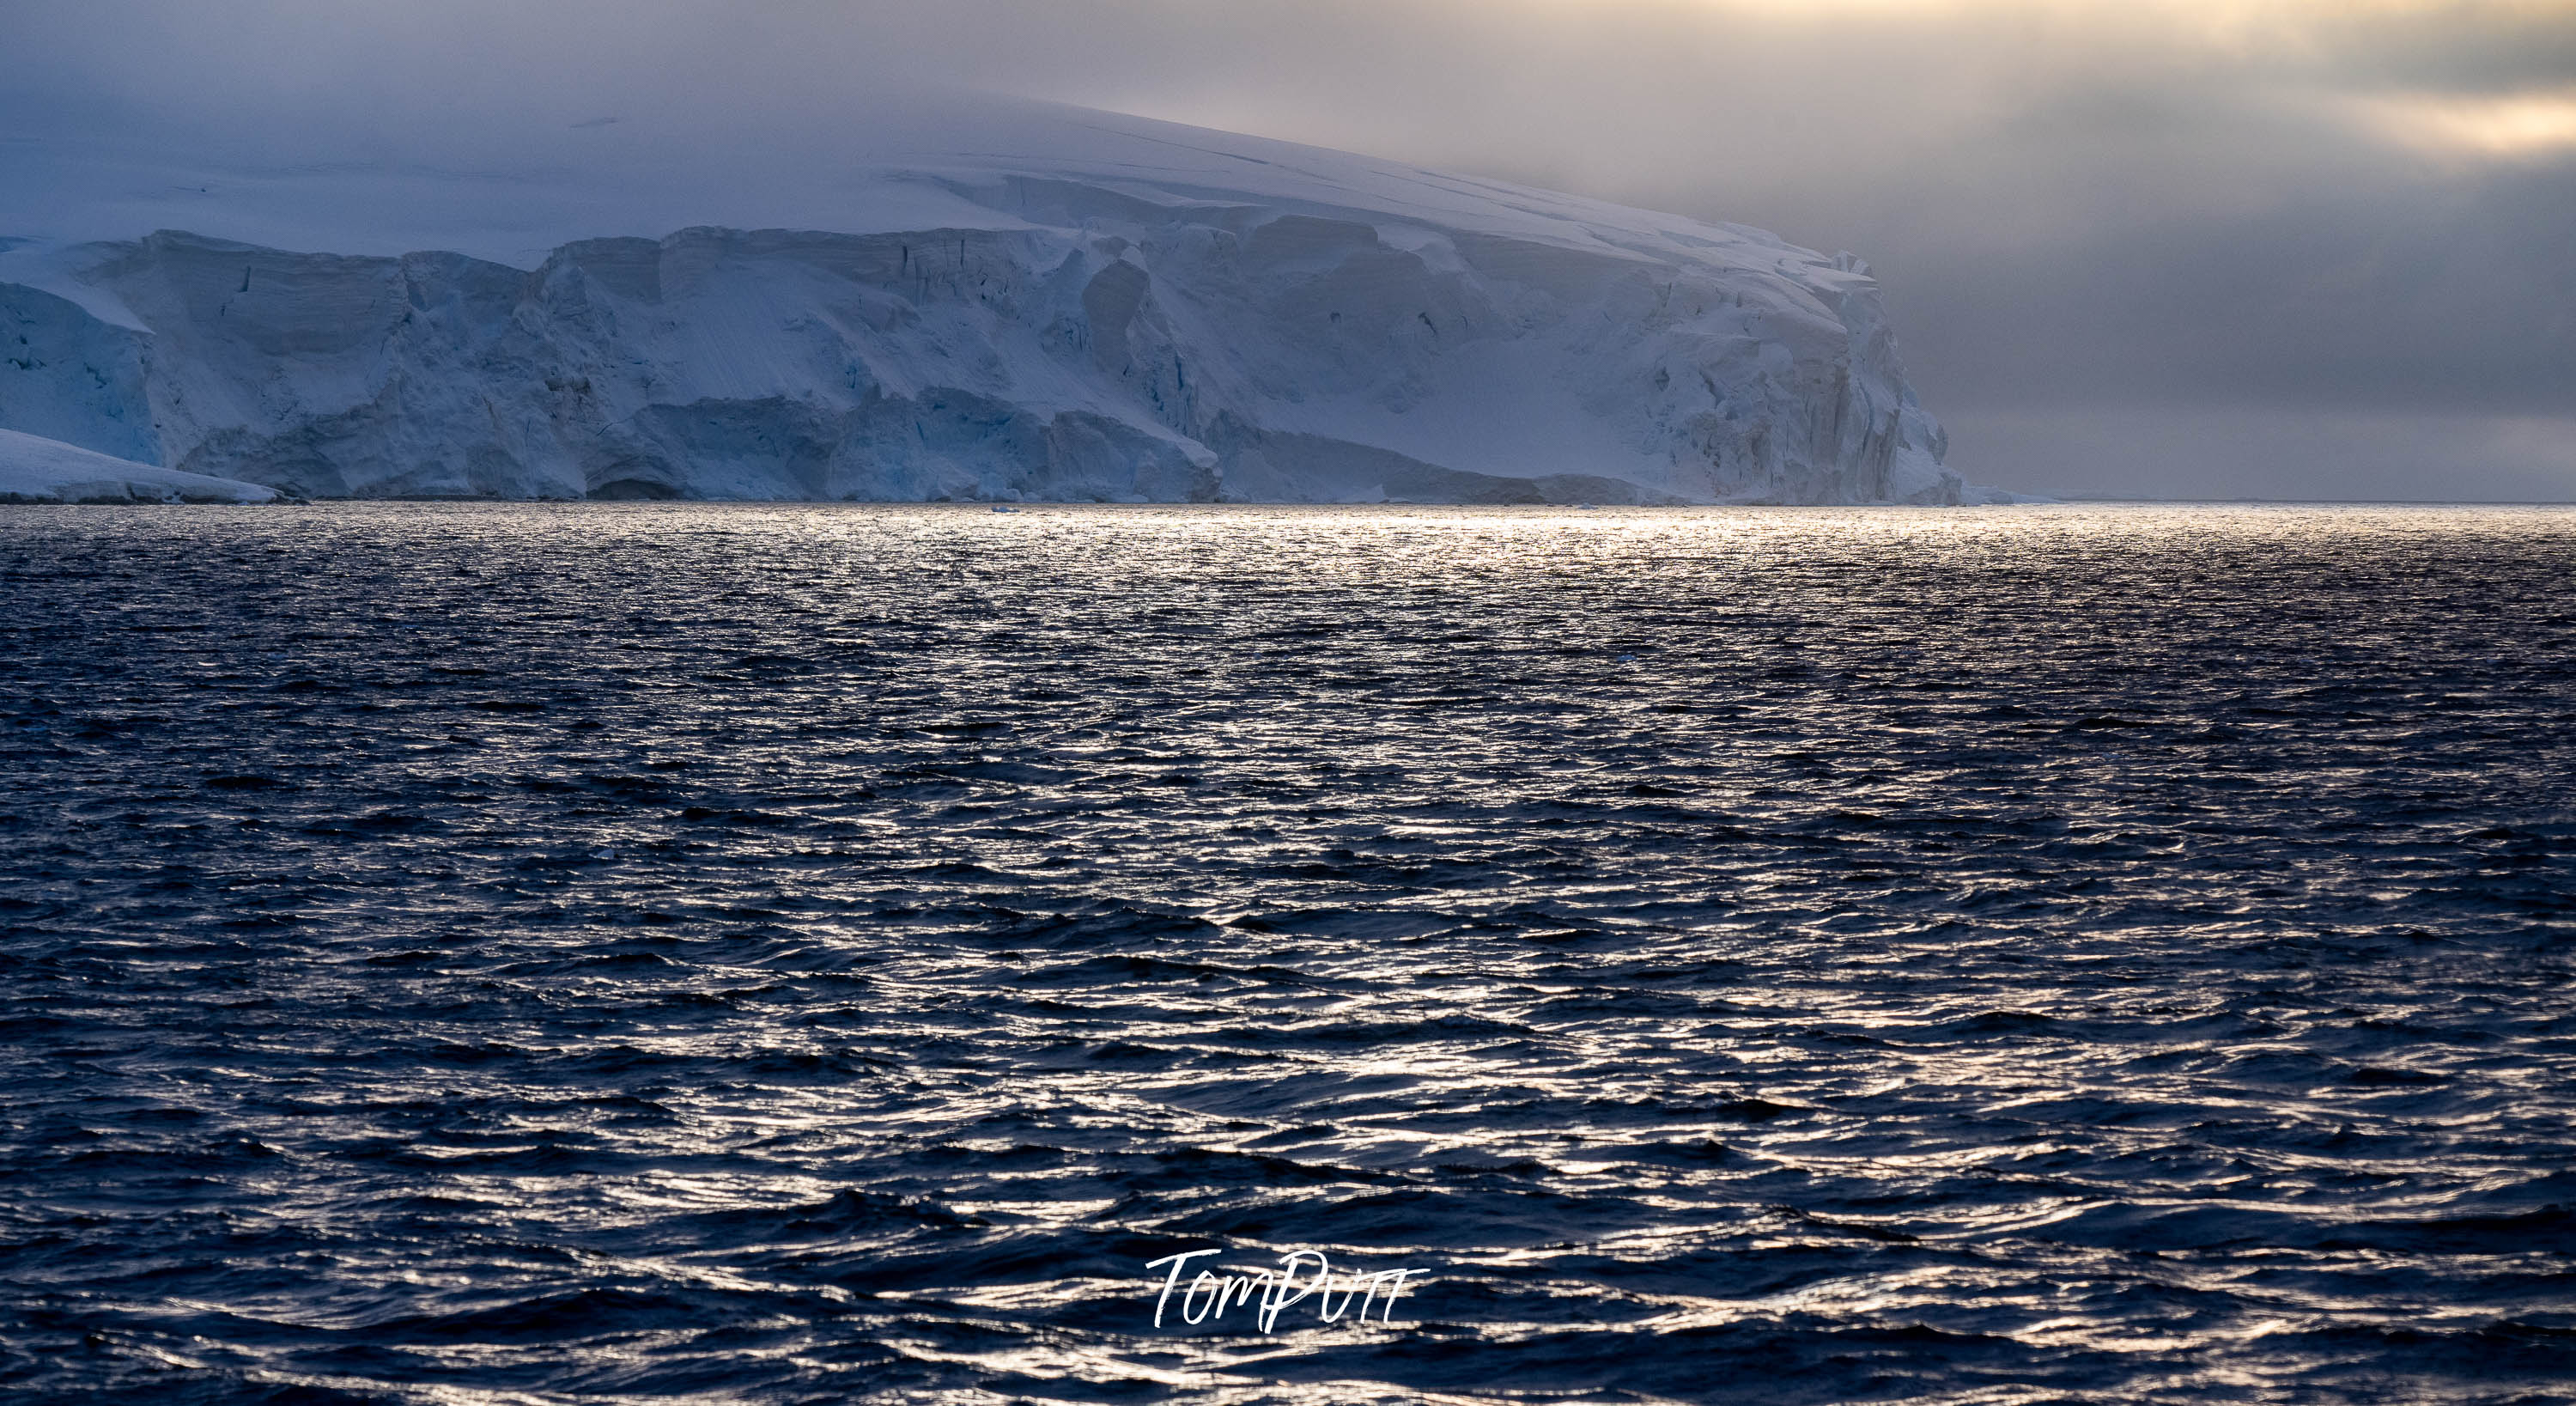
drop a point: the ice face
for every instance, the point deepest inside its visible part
(1115, 310)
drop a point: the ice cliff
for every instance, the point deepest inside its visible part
(1016, 303)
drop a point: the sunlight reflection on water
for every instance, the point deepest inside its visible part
(2075, 953)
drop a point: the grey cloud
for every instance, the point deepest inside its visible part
(2456, 50)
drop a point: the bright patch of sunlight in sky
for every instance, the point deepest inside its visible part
(2520, 125)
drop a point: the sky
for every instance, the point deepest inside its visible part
(2155, 248)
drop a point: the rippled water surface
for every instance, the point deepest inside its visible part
(545, 954)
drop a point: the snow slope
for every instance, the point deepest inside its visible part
(955, 299)
(34, 470)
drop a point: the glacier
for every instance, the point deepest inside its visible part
(998, 301)
(34, 469)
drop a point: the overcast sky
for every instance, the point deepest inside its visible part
(2308, 248)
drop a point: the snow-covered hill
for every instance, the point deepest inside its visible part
(995, 301)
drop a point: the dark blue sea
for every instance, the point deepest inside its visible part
(484, 954)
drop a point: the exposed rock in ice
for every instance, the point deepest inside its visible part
(1051, 305)
(36, 470)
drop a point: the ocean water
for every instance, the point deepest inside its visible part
(512, 954)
